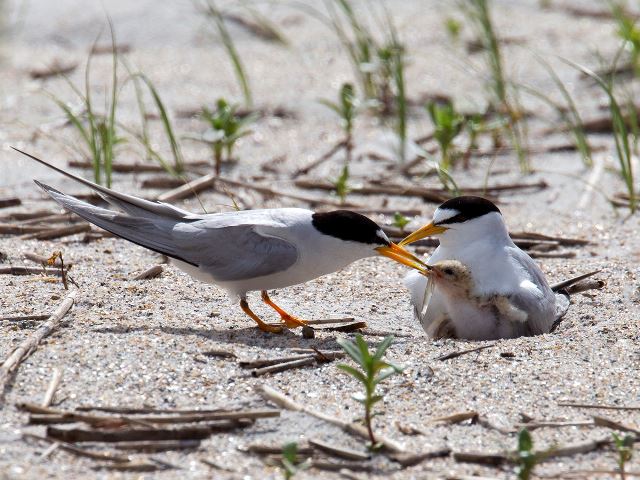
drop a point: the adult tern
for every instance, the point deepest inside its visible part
(240, 251)
(491, 290)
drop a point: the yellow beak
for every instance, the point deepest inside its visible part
(426, 231)
(400, 255)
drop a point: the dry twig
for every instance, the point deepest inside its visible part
(53, 386)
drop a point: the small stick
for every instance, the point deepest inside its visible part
(338, 451)
(188, 189)
(53, 386)
(24, 318)
(459, 353)
(133, 410)
(281, 367)
(10, 202)
(287, 403)
(53, 70)
(411, 459)
(345, 328)
(160, 446)
(455, 418)
(263, 449)
(31, 343)
(337, 466)
(495, 459)
(50, 449)
(605, 422)
(329, 321)
(533, 424)
(81, 452)
(55, 233)
(151, 272)
(590, 405)
(324, 157)
(14, 229)
(265, 362)
(21, 216)
(135, 167)
(109, 436)
(534, 254)
(218, 353)
(130, 467)
(162, 182)
(29, 271)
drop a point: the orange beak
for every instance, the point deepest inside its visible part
(400, 255)
(426, 231)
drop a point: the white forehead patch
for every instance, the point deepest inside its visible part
(383, 236)
(442, 214)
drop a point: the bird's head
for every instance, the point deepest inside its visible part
(364, 234)
(465, 219)
(451, 275)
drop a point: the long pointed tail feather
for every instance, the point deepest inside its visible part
(152, 233)
(128, 203)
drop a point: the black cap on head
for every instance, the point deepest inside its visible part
(468, 208)
(350, 226)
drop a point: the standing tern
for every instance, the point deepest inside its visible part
(491, 290)
(240, 251)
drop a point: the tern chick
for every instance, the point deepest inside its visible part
(240, 251)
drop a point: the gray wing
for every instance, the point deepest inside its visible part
(227, 252)
(232, 253)
(538, 301)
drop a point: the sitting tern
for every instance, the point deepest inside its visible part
(488, 288)
(240, 251)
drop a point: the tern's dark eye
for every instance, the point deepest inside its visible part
(448, 271)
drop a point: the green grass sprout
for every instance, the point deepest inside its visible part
(290, 463)
(371, 372)
(97, 130)
(453, 27)
(226, 128)
(346, 108)
(620, 132)
(218, 19)
(448, 124)
(624, 448)
(525, 457)
(400, 221)
(341, 184)
(628, 31)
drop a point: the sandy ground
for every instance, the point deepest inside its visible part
(138, 343)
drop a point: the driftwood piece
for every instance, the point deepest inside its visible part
(158, 446)
(210, 181)
(285, 402)
(24, 318)
(338, 451)
(22, 216)
(54, 233)
(15, 229)
(135, 167)
(55, 69)
(80, 452)
(151, 272)
(56, 378)
(449, 356)
(598, 406)
(281, 367)
(31, 343)
(74, 435)
(605, 422)
(162, 182)
(264, 449)
(265, 362)
(10, 202)
(30, 271)
(411, 459)
(134, 410)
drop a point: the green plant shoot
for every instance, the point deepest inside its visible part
(371, 371)
(624, 447)
(448, 124)
(400, 220)
(346, 108)
(341, 184)
(226, 127)
(290, 463)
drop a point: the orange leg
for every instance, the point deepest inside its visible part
(289, 320)
(261, 325)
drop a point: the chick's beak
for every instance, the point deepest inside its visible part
(426, 231)
(400, 255)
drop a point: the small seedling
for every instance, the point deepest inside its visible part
(290, 463)
(346, 108)
(525, 457)
(341, 184)
(624, 447)
(372, 371)
(448, 124)
(453, 27)
(400, 220)
(226, 128)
